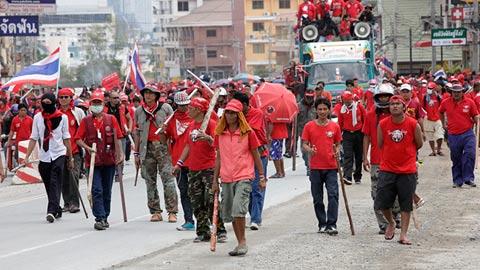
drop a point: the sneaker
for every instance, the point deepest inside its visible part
(187, 226)
(99, 226)
(358, 181)
(105, 224)
(332, 230)
(156, 217)
(222, 237)
(347, 181)
(239, 251)
(66, 208)
(308, 172)
(172, 218)
(202, 238)
(456, 186)
(471, 184)
(254, 226)
(323, 229)
(382, 230)
(50, 218)
(74, 209)
(287, 155)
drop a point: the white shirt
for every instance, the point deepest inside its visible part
(56, 148)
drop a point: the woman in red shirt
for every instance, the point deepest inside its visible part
(318, 138)
(278, 132)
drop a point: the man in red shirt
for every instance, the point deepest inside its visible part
(357, 91)
(75, 116)
(433, 126)
(414, 109)
(318, 139)
(306, 13)
(353, 9)
(322, 8)
(176, 132)
(256, 120)
(201, 163)
(351, 118)
(237, 156)
(276, 134)
(368, 97)
(461, 113)
(399, 138)
(373, 117)
(337, 6)
(21, 127)
(320, 91)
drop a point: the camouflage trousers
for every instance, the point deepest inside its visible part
(201, 197)
(382, 222)
(158, 161)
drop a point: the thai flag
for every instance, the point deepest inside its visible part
(440, 74)
(136, 76)
(45, 72)
(386, 66)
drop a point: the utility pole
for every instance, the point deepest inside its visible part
(395, 52)
(432, 25)
(411, 56)
(206, 57)
(475, 55)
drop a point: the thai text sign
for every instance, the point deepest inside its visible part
(28, 6)
(18, 26)
(449, 37)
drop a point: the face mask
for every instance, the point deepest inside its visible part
(48, 108)
(96, 109)
(429, 91)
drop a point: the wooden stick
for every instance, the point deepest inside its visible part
(90, 174)
(78, 193)
(211, 107)
(340, 174)
(202, 82)
(136, 176)
(294, 144)
(213, 234)
(122, 193)
(161, 129)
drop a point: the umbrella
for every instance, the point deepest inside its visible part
(221, 82)
(245, 77)
(281, 81)
(278, 104)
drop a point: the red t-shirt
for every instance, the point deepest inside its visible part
(415, 110)
(399, 151)
(370, 130)
(98, 124)
(357, 93)
(22, 127)
(202, 155)
(353, 10)
(325, 94)
(344, 28)
(337, 7)
(176, 130)
(477, 101)
(323, 138)
(322, 9)
(345, 119)
(459, 114)
(279, 131)
(337, 108)
(306, 9)
(369, 101)
(72, 129)
(256, 120)
(431, 107)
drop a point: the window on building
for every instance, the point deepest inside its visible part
(211, 33)
(258, 26)
(257, 4)
(281, 32)
(284, 4)
(211, 54)
(182, 5)
(258, 48)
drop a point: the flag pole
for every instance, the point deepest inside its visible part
(59, 70)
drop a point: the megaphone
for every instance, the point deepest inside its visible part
(362, 30)
(310, 33)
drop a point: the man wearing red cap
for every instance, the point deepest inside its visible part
(433, 126)
(351, 119)
(75, 116)
(201, 163)
(102, 129)
(237, 156)
(399, 138)
(151, 152)
(461, 113)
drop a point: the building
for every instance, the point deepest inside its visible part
(414, 15)
(202, 41)
(265, 32)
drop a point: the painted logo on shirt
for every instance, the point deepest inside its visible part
(329, 134)
(466, 108)
(107, 128)
(72, 123)
(397, 135)
(270, 109)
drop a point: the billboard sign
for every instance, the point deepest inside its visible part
(28, 6)
(449, 37)
(19, 26)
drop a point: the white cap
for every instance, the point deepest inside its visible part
(406, 86)
(223, 92)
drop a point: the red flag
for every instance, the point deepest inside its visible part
(111, 81)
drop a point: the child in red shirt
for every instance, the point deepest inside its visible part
(21, 126)
(318, 140)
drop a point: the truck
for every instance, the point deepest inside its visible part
(335, 62)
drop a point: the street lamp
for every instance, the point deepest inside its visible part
(231, 60)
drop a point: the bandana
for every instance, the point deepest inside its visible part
(353, 108)
(151, 110)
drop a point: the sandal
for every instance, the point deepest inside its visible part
(405, 242)
(276, 176)
(440, 153)
(420, 203)
(432, 154)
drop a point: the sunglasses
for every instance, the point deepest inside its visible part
(64, 97)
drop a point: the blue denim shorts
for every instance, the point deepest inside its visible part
(276, 149)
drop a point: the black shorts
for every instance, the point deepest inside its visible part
(391, 185)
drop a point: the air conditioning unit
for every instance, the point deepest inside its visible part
(275, 14)
(266, 14)
(252, 36)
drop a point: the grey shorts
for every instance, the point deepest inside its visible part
(235, 199)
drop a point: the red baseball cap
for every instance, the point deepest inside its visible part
(309, 93)
(397, 98)
(66, 92)
(234, 105)
(431, 85)
(200, 103)
(347, 95)
(97, 95)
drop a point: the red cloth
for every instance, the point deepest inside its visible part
(176, 130)
(353, 9)
(345, 119)
(308, 9)
(459, 114)
(152, 128)
(323, 138)
(322, 9)
(414, 109)
(357, 93)
(432, 107)
(72, 129)
(344, 28)
(256, 120)
(279, 131)
(325, 94)
(399, 151)
(98, 124)
(370, 130)
(337, 7)
(22, 127)
(369, 101)
(202, 155)
(337, 108)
